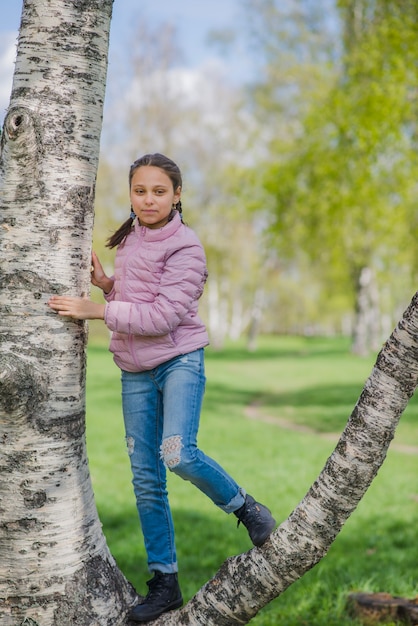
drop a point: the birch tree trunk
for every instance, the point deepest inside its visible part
(367, 321)
(247, 582)
(55, 568)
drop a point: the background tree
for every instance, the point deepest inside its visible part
(344, 184)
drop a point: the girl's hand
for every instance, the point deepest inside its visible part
(98, 276)
(77, 308)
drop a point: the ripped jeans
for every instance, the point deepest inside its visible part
(161, 409)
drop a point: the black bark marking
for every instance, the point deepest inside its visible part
(81, 198)
(26, 524)
(97, 580)
(15, 461)
(22, 390)
(28, 280)
(33, 499)
(71, 426)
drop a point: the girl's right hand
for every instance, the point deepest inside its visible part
(98, 276)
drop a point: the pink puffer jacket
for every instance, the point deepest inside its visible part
(152, 309)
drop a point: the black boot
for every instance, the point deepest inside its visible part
(257, 519)
(164, 595)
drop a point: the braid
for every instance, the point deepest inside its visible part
(179, 208)
(120, 235)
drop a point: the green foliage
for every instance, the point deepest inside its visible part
(271, 418)
(344, 181)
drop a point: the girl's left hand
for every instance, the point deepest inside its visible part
(77, 308)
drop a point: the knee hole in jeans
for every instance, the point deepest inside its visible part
(171, 451)
(130, 445)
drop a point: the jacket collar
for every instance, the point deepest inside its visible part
(159, 234)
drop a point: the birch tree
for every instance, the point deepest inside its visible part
(345, 183)
(55, 567)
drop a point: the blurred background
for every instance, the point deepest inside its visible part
(295, 126)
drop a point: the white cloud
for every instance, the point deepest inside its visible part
(7, 58)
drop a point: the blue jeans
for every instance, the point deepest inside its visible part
(161, 409)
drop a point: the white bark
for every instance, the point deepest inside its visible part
(217, 312)
(256, 317)
(247, 582)
(367, 322)
(54, 564)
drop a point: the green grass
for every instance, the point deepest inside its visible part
(301, 393)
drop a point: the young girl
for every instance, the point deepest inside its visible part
(157, 341)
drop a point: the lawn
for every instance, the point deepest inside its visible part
(271, 418)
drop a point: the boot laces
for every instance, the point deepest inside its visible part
(250, 515)
(156, 586)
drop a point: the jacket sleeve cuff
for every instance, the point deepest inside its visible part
(109, 316)
(110, 295)
(117, 316)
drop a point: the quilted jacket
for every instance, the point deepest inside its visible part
(152, 308)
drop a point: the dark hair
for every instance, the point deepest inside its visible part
(172, 171)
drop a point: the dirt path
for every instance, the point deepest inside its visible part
(252, 412)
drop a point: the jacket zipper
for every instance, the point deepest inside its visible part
(130, 336)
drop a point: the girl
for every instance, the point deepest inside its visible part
(157, 341)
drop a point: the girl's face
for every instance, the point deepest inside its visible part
(152, 196)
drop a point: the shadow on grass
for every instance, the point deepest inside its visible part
(380, 549)
(324, 408)
(319, 395)
(296, 347)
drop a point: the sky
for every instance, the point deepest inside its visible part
(194, 20)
